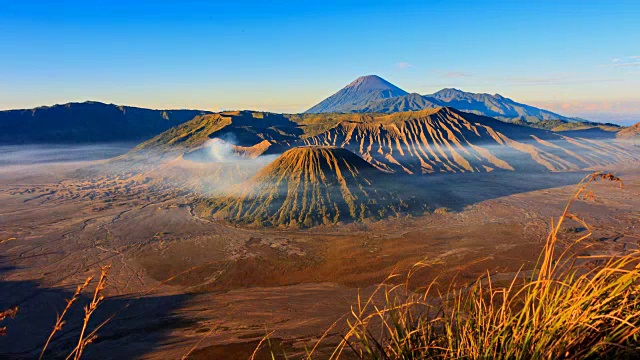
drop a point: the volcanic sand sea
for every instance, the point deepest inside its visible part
(245, 282)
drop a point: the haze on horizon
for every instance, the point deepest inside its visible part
(574, 58)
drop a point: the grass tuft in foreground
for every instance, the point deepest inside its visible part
(570, 307)
(9, 313)
(84, 338)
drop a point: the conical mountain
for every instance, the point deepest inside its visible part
(358, 94)
(307, 186)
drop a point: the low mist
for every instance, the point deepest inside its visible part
(216, 167)
(50, 164)
(54, 153)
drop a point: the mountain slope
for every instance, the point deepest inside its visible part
(448, 140)
(308, 186)
(242, 128)
(631, 131)
(357, 94)
(354, 166)
(86, 123)
(426, 141)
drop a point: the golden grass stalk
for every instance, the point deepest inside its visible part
(197, 344)
(571, 307)
(7, 240)
(89, 310)
(60, 322)
(83, 340)
(266, 338)
(9, 313)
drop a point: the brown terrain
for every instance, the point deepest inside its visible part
(284, 228)
(631, 134)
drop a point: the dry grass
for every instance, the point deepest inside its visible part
(9, 313)
(571, 307)
(84, 339)
(7, 240)
(60, 322)
(97, 298)
(441, 211)
(197, 344)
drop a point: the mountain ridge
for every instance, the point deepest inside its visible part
(426, 141)
(331, 168)
(88, 122)
(497, 106)
(449, 140)
(93, 121)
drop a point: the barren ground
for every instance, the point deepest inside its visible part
(236, 284)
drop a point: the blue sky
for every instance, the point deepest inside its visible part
(575, 57)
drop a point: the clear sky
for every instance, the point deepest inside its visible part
(579, 58)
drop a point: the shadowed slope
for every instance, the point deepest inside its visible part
(308, 186)
(496, 106)
(87, 122)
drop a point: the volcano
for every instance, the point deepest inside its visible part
(308, 186)
(359, 93)
(341, 168)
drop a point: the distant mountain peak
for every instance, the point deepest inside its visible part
(372, 82)
(452, 90)
(358, 94)
(373, 94)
